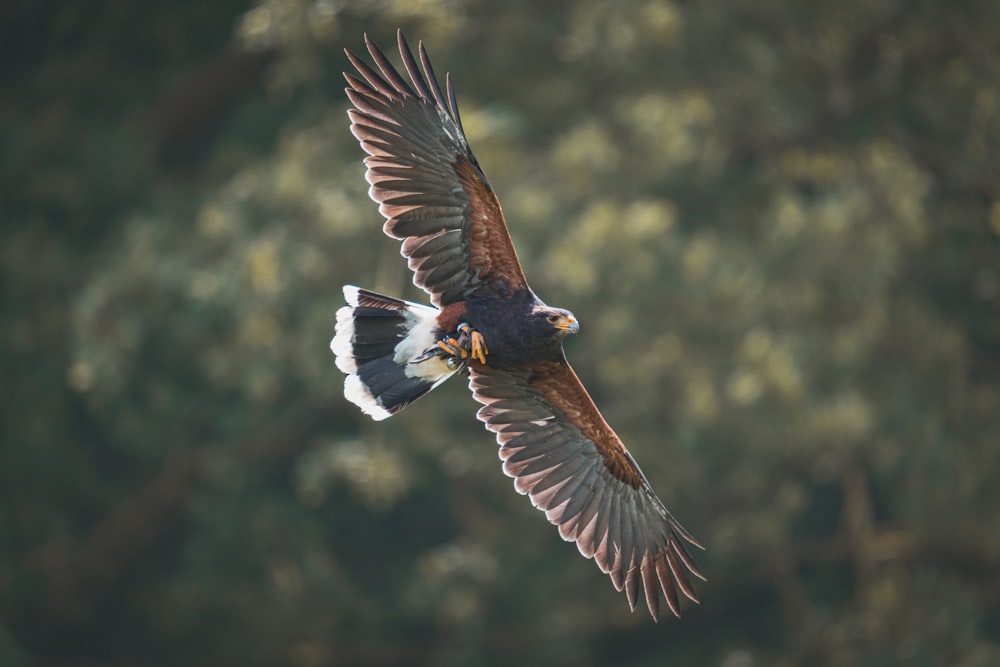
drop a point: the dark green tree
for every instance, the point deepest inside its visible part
(778, 222)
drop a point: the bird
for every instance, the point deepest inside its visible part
(485, 321)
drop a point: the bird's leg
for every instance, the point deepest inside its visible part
(467, 343)
(475, 342)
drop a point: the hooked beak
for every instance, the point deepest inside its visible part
(568, 325)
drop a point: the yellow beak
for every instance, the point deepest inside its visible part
(568, 324)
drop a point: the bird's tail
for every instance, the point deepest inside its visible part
(383, 345)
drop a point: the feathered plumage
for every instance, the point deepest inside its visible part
(487, 320)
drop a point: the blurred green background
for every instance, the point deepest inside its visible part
(778, 221)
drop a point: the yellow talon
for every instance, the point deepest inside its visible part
(476, 342)
(470, 344)
(453, 348)
(479, 349)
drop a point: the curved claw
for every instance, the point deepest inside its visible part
(479, 349)
(453, 348)
(469, 344)
(477, 343)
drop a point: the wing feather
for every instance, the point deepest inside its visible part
(585, 523)
(601, 528)
(571, 473)
(565, 493)
(664, 567)
(612, 548)
(561, 452)
(523, 454)
(427, 181)
(651, 585)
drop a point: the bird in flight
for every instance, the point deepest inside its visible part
(486, 321)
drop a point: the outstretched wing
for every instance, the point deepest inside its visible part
(428, 185)
(564, 456)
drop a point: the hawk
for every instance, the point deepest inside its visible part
(487, 322)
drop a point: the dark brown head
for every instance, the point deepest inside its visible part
(552, 323)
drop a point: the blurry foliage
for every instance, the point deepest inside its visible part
(778, 222)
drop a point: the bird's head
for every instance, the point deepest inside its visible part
(557, 322)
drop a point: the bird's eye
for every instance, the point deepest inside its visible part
(553, 318)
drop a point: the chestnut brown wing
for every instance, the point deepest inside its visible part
(428, 185)
(564, 456)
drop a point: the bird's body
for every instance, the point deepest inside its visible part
(485, 320)
(516, 329)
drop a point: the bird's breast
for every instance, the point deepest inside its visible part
(509, 331)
